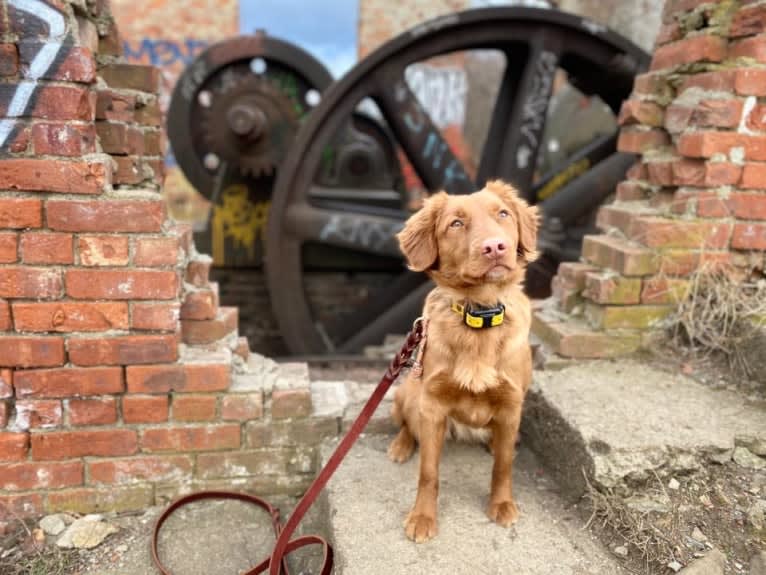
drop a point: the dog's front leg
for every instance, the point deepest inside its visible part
(502, 508)
(420, 524)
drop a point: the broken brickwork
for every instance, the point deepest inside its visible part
(122, 381)
(696, 194)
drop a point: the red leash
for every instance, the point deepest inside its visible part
(276, 563)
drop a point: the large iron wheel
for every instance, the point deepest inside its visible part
(535, 43)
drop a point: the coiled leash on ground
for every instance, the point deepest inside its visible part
(276, 563)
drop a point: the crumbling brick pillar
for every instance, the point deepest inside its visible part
(122, 382)
(696, 194)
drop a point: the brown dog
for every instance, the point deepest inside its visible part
(477, 363)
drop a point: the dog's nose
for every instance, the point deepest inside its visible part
(493, 248)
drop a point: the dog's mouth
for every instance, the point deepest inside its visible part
(497, 271)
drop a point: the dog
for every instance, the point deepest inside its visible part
(476, 366)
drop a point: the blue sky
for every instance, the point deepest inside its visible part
(327, 28)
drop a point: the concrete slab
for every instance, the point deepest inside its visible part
(369, 497)
(622, 421)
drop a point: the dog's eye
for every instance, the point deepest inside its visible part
(456, 224)
(503, 213)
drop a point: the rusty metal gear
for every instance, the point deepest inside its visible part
(251, 125)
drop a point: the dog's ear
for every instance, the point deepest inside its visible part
(527, 216)
(418, 238)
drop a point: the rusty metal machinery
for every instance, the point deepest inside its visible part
(305, 216)
(232, 119)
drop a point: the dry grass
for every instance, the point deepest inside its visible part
(653, 541)
(720, 314)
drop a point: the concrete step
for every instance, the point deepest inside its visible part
(369, 496)
(625, 421)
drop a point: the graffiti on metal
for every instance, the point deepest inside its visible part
(535, 106)
(369, 235)
(239, 220)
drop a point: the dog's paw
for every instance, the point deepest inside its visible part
(401, 449)
(503, 513)
(419, 528)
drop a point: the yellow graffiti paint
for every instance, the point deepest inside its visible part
(564, 177)
(240, 220)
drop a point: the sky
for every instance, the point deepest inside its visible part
(326, 29)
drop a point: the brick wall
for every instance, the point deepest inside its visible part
(122, 381)
(695, 196)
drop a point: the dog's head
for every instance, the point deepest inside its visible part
(486, 237)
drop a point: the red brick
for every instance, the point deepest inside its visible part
(754, 48)
(45, 175)
(46, 248)
(131, 170)
(72, 444)
(748, 21)
(21, 213)
(118, 284)
(668, 33)
(64, 103)
(748, 206)
(750, 82)
(101, 411)
(291, 403)
(663, 233)
(688, 51)
(125, 350)
(103, 250)
(242, 407)
(685, 262)
(663, 290)
(120, 139)
(660, 173)
(717, 81)
(206, 438)
(243, 348)
(8, 248)
(131, 77)
(5, 412)
(199, 332)
(753, 176)
(180, 378)
(38, 413)
(63, 139)
(13, 447)
(677, 118)
(149, 113)
(706, 144)
(140, 469)
(68, 382)
(5, 316)
(9, 60)
(115, 106)
(717, 113)
(78, 65)
(636, 172)
(611, 288)
(27, 476)
(194, 407)
(749, 236)
(155, 316)
(688, 172)
(32, 351)
(155, 252)
(650, 84)
(638, 141)
(12, 507)
(20, 140)
(704, 204)
(106, 216)
(145, 408)
(198, 272)
(200, 304)
(673, 8)
(756, 120)
(640, 112)
(6, 383)
(67, 317)
(619, 255)
(115, 499)
(29, 282)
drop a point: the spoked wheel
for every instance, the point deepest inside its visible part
(535, 44)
